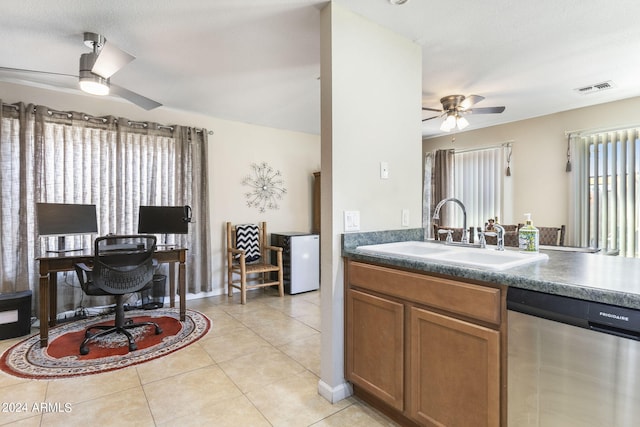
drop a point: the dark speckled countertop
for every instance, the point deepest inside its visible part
(592, 277)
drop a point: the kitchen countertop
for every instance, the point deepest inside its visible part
(587, 276)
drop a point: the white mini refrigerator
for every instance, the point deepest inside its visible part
(300, 259)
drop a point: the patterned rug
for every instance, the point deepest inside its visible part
(61, 358)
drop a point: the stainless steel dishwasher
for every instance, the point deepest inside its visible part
(572, 362)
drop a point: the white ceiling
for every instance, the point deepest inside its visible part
(257, 61)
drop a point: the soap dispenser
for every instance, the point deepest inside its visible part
(528, 236)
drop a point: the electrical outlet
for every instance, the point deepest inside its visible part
(351, 220)
(405, 217)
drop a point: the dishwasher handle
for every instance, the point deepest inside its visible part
(615, 320)
(614, 331)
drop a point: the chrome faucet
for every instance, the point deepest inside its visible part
(481, 239)
(499, 236)
(436, 215)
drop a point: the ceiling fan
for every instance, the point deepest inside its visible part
(95, 71)
(455, 106)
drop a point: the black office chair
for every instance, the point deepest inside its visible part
(122, 264)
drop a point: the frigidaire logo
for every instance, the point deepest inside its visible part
(614, 316)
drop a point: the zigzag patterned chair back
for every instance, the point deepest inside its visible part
(251, 261)
(248, 239)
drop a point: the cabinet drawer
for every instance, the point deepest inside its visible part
(475, 301)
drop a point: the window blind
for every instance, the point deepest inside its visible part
(613, 163)
(479, 183)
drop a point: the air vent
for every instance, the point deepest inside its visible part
(595, 88)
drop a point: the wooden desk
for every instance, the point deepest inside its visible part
(51, 264)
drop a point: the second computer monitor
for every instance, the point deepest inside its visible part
(164, 219)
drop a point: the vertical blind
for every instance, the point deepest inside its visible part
(475, 177)
(479, 176)
(612, 173)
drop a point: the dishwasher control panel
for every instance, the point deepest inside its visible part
(606, 318)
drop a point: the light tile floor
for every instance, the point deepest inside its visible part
(259, 365)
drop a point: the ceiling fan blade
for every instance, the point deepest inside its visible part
(110, 59)
(485, 110)
(69, 81)
(139, 100)
(44, 79)
(470, 100)
(26, 71)
(437, 110)
(435, 117)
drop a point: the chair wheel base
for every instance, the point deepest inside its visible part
(84, 347)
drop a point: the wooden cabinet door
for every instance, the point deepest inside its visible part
(454, 373)
(375, 346)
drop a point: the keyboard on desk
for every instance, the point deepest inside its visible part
(121, 247)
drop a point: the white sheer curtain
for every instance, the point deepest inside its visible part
(605, 191)
(17, 229)
(116, 164)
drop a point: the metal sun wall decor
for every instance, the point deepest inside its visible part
(267, 187)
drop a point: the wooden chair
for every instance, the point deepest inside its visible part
(550, 236)
(252, 259)
(510, 237)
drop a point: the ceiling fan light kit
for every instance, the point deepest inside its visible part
(452, 121)
(462, 123)
(90, 82)
(448, 123)
(453, 108)
(97, 66)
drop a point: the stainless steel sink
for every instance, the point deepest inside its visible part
(487, 258)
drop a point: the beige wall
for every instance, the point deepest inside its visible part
(370, 89)
(539, 182)
(232, 148)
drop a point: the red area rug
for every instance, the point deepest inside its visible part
(61, 358)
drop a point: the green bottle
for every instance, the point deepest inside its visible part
(528, 236)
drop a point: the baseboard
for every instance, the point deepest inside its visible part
(335, 394)
(199, 295)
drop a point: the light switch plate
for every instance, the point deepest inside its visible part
(384, 170)
(405, 217)
(351, 220)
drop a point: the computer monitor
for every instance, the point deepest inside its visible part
(65, 219)
(164, 219)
